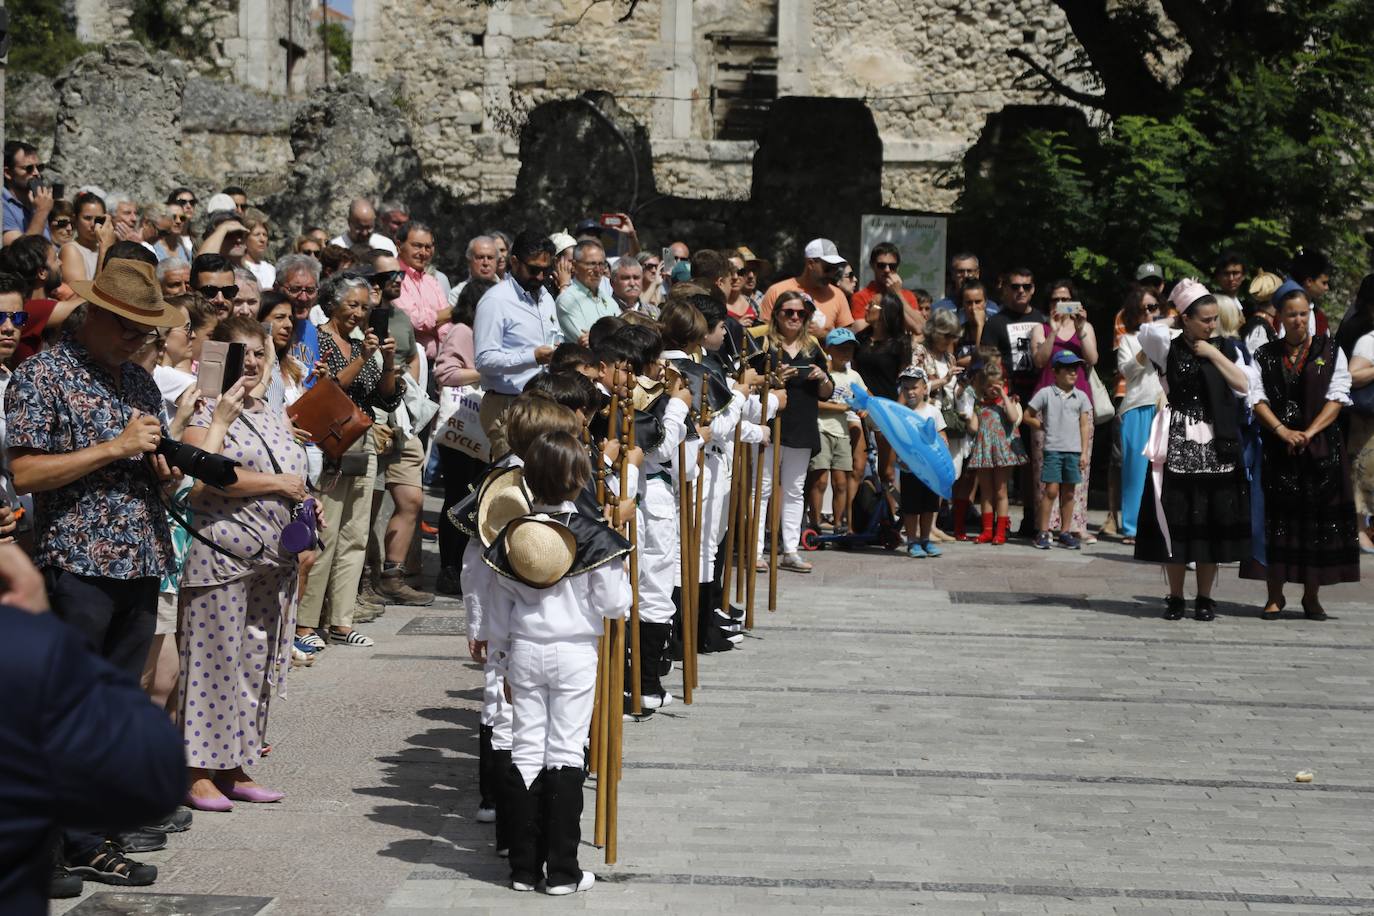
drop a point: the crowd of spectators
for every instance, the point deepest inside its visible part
(1233, 422)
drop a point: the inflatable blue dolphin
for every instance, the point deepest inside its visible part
(914, 438)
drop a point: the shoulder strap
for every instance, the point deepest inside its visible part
(265, 447)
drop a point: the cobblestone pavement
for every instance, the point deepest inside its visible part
(998, 730)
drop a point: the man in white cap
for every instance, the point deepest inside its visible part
(822, 264)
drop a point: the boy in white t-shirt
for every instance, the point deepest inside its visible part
(919, 502)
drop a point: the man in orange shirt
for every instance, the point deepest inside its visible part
(884, 259)
(832, 310)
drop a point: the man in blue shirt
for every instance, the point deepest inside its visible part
(963, 266)
(514, 333)
(26, 211)
(298, 279)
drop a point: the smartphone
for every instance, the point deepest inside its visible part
(1068, 308)
(669, 262)
(379, 322)
(221, 365)
(611, 221)
(100, 220)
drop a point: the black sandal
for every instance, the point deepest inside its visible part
(109, 865)
(1173, 607)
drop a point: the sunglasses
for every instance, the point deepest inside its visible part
(885, 265)
(652, 265)
(793, 313)
(18, 319)
(1021, 286)
(382, 278)
(131, 331)
(61, 223)
(1152, 306)
(210, 292)
(1058, 299)
(186, 201)
(538, 271)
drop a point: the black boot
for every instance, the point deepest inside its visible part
(524, 805)
(488, 778)
(563, 827)
(709, 635)
(500, 763)
(674, 642)
(653, 641)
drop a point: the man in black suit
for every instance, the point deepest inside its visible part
(80, 745)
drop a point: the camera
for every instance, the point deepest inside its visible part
(216, 470)
(43, 181)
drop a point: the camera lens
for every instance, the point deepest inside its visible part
(216, 470)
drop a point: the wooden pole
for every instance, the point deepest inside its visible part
(775, 505)
(731, 520)
(685, 579)
(615, 721)
(600, 729)
(754, 544)
(697, 539)
(636, 699)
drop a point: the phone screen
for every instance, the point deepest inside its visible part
(233, 366)
(379, 322)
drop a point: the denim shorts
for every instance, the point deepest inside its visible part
(1061, 467)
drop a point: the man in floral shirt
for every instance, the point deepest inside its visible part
(83, 424)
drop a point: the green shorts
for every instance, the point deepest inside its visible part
(835, 454)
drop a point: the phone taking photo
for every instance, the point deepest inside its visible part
(379, 322)
(1068, 309)
(221, 365)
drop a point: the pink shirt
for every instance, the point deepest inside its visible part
(422, 299)
(455, 353)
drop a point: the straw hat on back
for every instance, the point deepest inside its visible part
(539, 550)
(502, 499)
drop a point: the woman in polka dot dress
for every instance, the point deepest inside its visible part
(237, 601)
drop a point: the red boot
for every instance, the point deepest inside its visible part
(986, 536)
(1003, 524)
(960, 514)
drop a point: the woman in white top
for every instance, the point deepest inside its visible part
(255, 252)
(80, 258)
(1137, 408)
(1361, 441)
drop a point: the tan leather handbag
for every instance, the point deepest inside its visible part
(332, 419)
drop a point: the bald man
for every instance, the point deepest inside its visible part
(362, 236)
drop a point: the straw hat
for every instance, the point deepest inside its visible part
(130, 290)
(502, 499)
(539, 550)
(760, 266)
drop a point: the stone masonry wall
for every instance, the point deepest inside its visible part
(931, 72)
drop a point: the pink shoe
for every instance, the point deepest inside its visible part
(256, 794)
(209, 804)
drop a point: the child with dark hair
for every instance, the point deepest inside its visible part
(573, 357)
(558, 573)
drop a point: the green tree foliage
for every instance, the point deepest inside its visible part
(1261, 153)
(339, 44)
(42, 40)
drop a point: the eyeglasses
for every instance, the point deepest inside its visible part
(1021, 286)
(186, 201)
(312, 252)
(652, 265)
(300, 290)
(885, 265)
(63, 223)
(18, 319)
(793, 313)
(131, 331)
(210, 292)
(382, 278)
(596, 265)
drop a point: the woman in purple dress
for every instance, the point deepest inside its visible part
(238, 597)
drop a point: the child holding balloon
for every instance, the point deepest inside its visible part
(919, 502)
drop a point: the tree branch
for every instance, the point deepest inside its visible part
(629, 12)
(1055, 84)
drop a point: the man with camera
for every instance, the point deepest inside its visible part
(83, 436)
(28, 199)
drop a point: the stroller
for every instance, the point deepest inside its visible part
(870, 517)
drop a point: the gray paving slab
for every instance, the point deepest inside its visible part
(1000, 730)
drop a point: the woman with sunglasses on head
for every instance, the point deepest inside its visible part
(800, 362)
(1196, 507)
(1137, 408)
(94, 234)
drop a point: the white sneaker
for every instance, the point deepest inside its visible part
(521, 886)
(735, 638)
(486, 815)
(656, 701)
(560, 890)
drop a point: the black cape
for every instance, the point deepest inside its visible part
(597, 545)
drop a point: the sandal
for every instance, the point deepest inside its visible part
(794, 563)
(351, 638)
(109, 865)
(311, 642)
(1277, 606)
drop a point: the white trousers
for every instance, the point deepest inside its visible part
(659, 561)
(495, 709)
(792, 473)
(716, 479)
(553, 686)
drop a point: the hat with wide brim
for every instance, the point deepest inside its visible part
(502, 499)
(760, 266)
(130, 290)
(539, 550)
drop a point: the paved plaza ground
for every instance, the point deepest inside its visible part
(998, 730)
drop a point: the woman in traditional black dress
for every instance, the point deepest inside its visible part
(1309, 505)
(1195, 508)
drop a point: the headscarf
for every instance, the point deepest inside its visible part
(1186, 293)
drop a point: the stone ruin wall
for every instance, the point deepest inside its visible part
(931, 74)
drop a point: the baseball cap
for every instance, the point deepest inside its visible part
(1147, 270)
(840, 336)
(1067, 358)
(912, 374)
(587, 225)
(220, 202)
(562, 242)
(825, 250)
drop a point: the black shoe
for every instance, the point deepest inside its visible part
(1204, 609)
(179, 821)
(1174, 606)
(141, 840)
(1313, 611)
(108, 865)
(63, 885)
(450, 582)
(713, 640)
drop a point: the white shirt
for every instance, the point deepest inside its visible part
(265, 273)
(1142, 382)
(1364, 347)
(478, 577)
(376, 240)
(1338, 390)
(571, 610)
